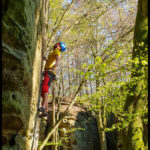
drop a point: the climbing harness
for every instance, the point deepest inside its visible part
(52, 75)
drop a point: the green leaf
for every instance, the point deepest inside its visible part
(98, 59)
(144, 62)
(84, 66)
(136, 60)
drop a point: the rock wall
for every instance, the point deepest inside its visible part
(21, 70)
(87, 137)
(113, 136)
(78, 129)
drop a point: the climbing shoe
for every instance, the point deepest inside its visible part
(41, 109)
(45, 114)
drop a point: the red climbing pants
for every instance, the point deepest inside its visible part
(45, 84)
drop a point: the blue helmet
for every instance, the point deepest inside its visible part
(63, 46)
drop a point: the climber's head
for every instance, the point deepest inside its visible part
(61, 46)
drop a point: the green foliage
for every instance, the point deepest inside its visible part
(112, 95)
(102, 57)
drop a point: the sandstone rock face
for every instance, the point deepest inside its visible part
(112, 137)
(21, 71)
(87, 137)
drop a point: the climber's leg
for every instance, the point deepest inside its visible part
(44, 93)
(45, 101)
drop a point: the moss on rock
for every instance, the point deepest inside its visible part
(21, 70)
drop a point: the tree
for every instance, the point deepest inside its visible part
(99, 37)
(136, 103)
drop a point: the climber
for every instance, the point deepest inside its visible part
(50, 75)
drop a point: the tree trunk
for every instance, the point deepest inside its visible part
(133, 138)
(101, 131)
(101, 119)
(54, 114)
(91, 88)
(68, 63)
